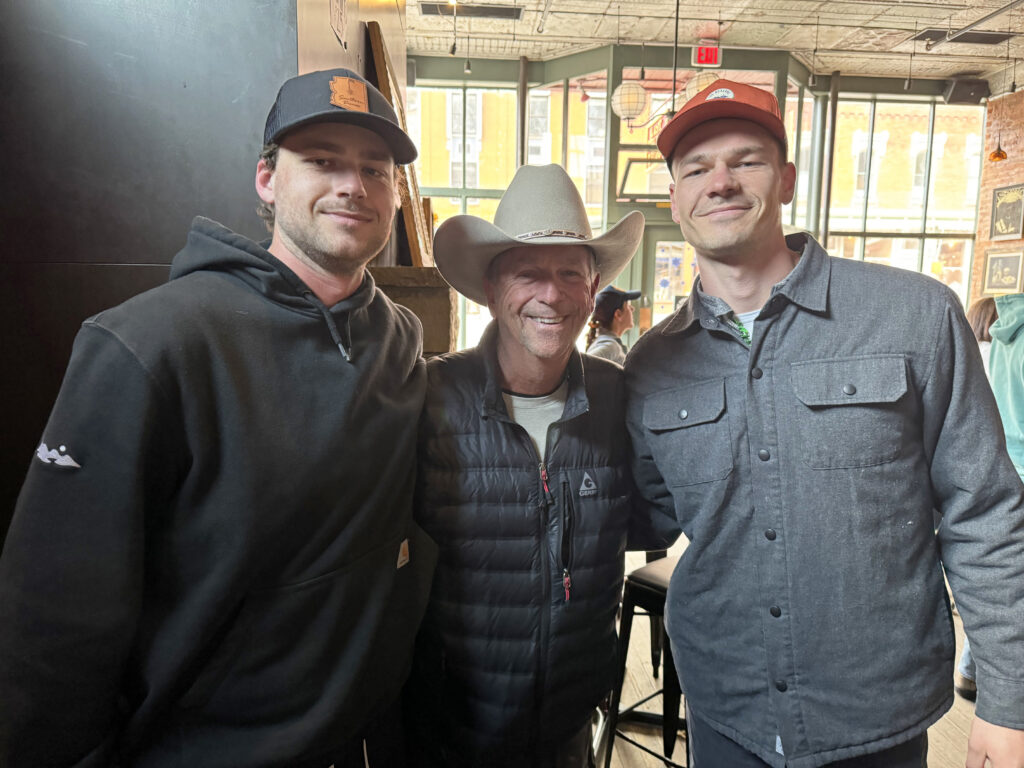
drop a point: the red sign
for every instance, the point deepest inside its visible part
(705, 56)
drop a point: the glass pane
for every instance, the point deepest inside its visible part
(845, 247)
(544, 126)
(490, 137)
(850, 166)
(956, 166)
(948, 261)
(477, 319)
(587, 137)
(898, 166)
(483, 207)
(790, 115)
(803, 162)
(675, 269)
(900, 252)
(429, 114)
(648, 176)
(444, 208)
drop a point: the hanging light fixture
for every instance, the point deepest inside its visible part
(584, 96)
(629, 100)
(999, 154)
(455, 26)
(910, 71)
(812, 79)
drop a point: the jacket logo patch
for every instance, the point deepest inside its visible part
(60, 456)
(349, 94)
(588, 487)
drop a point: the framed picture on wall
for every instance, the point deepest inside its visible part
(1007, 213)
(1002, 272)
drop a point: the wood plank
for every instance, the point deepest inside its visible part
(417, 228)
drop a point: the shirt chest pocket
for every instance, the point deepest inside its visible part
(848, 410)
(688, 433)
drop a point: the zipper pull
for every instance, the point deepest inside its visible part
(566, 583)
(544, 481)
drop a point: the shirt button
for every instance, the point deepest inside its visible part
(683, 414)
(849, 389)
(780, 685)
(775, 611)
(770, 534)
(756, 373)
(763, 455)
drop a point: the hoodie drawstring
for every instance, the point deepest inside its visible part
(333, 326)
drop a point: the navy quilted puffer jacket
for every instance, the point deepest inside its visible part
(518, 645)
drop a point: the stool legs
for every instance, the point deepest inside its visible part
(625, 627)
(669, 702)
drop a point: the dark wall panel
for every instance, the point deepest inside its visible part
(121, 121)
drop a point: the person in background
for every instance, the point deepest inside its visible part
(213, 560)
(803, 420)
(1007, 365)
(980, 315)
(524, 484)
(613, 316)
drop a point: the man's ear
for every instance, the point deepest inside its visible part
(672, 201)
(265, 182)
(788, 183)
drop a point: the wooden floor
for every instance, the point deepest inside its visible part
(947, 739)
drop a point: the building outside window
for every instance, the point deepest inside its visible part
(888, 206)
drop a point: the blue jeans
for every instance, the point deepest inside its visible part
(710, 749)
(966, 667)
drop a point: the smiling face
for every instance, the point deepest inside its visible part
(729, 186)
(334, 191)
(541, 297)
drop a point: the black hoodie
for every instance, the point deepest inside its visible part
(212, 561)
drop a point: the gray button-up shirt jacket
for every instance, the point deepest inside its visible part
(809, 473)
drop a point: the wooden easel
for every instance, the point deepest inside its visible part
(417, 226)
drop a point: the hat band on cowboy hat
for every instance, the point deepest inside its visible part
(542, 204)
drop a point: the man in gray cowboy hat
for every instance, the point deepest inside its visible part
(202, 569)
(524, 484)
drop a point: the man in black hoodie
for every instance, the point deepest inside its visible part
(204, 568)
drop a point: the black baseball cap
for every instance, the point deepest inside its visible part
(615, 297)
(337, 96)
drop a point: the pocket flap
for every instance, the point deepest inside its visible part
(685, 407)
(850, 381)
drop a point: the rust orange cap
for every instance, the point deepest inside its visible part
(723, 99)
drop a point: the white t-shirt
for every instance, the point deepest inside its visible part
(536, 413)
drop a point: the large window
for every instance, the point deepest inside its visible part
(905, 186)
(467, 142)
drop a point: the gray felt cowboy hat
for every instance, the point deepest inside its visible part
(540, 207)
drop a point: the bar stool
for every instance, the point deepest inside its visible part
(645, 589)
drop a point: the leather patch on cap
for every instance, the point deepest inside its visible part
(350, 94)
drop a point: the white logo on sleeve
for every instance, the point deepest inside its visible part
(588, 487)
(58, 456)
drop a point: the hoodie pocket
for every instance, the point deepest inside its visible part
(340, 643)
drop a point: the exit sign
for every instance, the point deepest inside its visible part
(705, 56)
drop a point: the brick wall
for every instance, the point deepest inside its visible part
(1007, 113)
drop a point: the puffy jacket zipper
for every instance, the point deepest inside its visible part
(568, 522)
